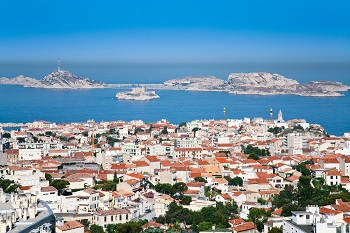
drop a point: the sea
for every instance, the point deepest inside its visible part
(20, 105)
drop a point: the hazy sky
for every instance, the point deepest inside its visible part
(174, 31)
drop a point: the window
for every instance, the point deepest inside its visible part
(127, 216)
(120, 217)
(307, 216)
(331, 177)
(112, 218)
(105, 218)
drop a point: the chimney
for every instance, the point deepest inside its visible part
(25, 214)
(31, 211)
(343, 228)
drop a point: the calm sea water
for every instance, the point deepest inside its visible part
(20, 104)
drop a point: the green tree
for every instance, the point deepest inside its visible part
(48, 177)
(165, 130)
(200, 179)
(185, 200)
(275, 130)
(60, 184)
(161, 219)
(8, 186)
(164, 188)
(48, 133)
(276, 230)
(6, 135)
(180, 187)
(302, 168)
(21, 140)
(96, 229)
(204, 226)
(288, 208)
(237, 181)
(85, 133)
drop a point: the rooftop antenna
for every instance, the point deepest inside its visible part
(58, 69)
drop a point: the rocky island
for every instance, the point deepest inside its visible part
(137, 94)
(260, 83)
(60, 79)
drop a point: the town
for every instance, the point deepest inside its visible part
(234, 175)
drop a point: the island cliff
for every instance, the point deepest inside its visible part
(259, 83)
(60, 79)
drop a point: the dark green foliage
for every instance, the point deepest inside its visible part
(288, 208)
(48, 177)
(285, 196)
(237, 181)
(160, 219)
(59, 184)
(129, 227)
(254, 152)
(6, 135)
(259, 217)
(8, 186)
(85, 133)
(302, 168)
(112, 140)
(138, 130)
(275, 130)
(276, 230)
(165, 130)
(179, 187)
(21, 140)
(185, 200)
(298, 199)
(218, 215)
(200, 179)
(204, 226)
(96, 229)
(164, 188)
(298, 127)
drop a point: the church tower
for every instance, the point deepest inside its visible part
(280, 117)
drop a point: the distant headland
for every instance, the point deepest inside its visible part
(258, 83)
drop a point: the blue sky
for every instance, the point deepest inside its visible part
(174, 31)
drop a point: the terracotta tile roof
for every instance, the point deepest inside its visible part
(277, 211)
(244, 227)
(141, 163)
(226, 196)
(327, 211)
(333, 172)
(195, 184)
(136, 175)
(189, 192)
(70, 226)
(347, 219)
(152, 158)
(236, 221)
(48, 189)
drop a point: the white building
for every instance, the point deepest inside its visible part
(105, 217)
(310, 221)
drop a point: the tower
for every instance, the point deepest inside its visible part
(280, 117)
(58, 65)
(271, 114)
